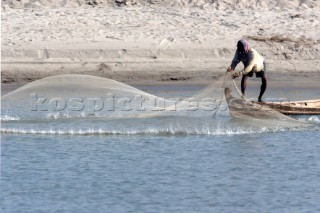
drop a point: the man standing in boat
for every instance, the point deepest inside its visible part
(253, 63)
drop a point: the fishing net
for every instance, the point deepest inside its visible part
(88, 96)
(242, 108)
(105, 101)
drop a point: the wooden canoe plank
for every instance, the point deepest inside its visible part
(305, 107)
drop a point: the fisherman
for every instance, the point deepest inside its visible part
(253, 63)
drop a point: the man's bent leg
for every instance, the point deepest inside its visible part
(244, 84)
(263, 87)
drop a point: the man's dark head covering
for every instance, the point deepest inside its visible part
(243, 46)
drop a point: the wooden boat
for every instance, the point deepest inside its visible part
(306, 107)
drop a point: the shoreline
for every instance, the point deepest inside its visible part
(274, 82)
(146, 72)
(192, 63)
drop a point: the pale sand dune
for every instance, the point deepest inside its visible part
(203, 4)
(155, 39)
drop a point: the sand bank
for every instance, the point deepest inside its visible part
(155, 40)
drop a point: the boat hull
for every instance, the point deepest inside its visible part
(306, 107)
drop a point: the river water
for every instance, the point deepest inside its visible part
(159, 164)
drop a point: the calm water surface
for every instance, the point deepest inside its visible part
(271, 172)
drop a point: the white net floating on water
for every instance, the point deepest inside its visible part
(111, 106)
(88, 96)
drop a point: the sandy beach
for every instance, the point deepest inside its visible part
(156, 41)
